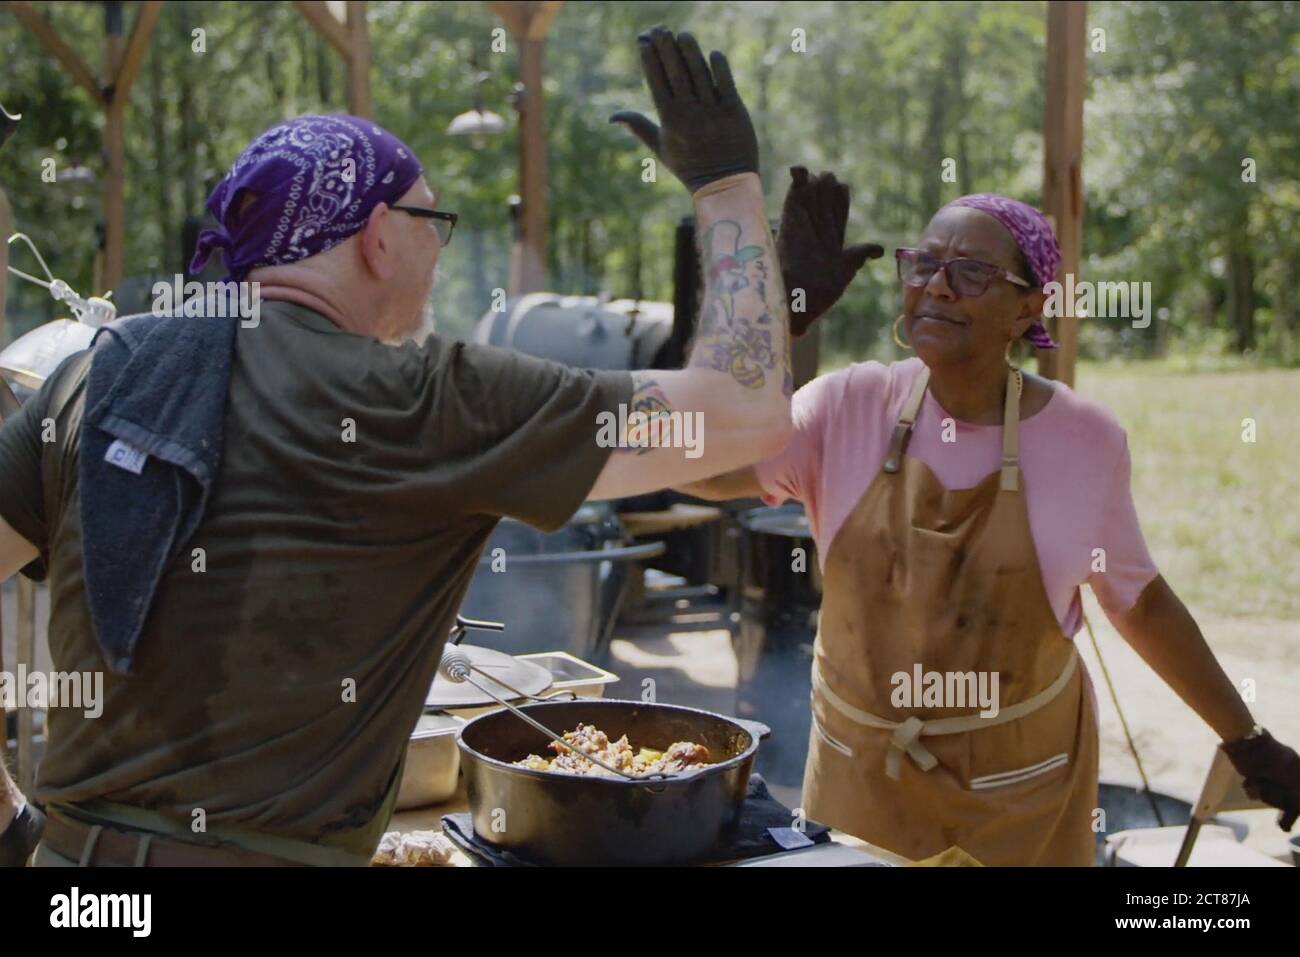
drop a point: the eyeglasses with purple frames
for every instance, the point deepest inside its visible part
(966, 277)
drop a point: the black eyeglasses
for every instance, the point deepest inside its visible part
(966, 277)
(444, 224)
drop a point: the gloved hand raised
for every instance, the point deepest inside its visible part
(705, 132)
(1272, 773)
(810, 246)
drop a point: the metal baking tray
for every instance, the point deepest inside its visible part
(572, 674)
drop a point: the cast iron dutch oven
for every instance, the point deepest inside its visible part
(551, 818)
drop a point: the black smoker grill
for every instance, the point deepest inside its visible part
(590, 332)
(556, 592)
(595, 333)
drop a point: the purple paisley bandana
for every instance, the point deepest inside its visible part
(1032, 233)
(316, 178)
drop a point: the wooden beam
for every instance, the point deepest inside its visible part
(513, 13)
(527, 19)
(49, 38)
(1066, 86)
(542, 15)
(359, 101)
(317, 13)
(137, 45)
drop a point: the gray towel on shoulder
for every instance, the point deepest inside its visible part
(151, 443)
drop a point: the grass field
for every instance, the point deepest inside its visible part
(1220, 515)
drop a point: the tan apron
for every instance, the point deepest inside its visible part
(948, 581)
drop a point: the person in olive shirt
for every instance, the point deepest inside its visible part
(332, 563)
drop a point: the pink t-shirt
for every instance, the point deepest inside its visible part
(1074, 466)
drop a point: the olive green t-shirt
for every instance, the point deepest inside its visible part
(359, 483)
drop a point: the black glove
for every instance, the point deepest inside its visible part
(706, 133)
(1272, 773)
(810, 246)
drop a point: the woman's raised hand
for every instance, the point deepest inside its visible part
(815, 264)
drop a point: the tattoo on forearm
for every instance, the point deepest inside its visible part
(737, 332)
(655, 430)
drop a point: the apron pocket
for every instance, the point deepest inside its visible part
(1020, 775)
(821, 732)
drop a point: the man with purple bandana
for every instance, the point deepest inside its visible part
(263, 714)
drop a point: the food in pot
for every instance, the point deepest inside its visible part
(586, 738)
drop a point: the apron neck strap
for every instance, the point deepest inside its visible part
(1010, 480)
(903, 429)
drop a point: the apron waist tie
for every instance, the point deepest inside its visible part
(907, 734)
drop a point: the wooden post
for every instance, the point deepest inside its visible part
(528, 23)
(532, 171)
(359, 102)
(114, 183)
(1066, 85)
(806, 355)
(343, 26)
(122, 62)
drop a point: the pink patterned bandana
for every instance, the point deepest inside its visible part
(1033, 234)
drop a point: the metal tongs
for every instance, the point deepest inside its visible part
(457, 634)
(93, 311)
(456, 667)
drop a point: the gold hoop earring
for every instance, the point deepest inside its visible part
(1020, 378)
(894, 331)
(1014, 365)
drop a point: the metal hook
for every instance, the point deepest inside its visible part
(39, 258)
(95, 311)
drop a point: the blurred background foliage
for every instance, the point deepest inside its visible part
(1181, 95)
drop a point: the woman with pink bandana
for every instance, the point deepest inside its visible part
(958, 504)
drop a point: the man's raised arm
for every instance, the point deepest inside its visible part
(730, 405)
